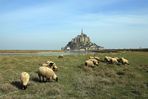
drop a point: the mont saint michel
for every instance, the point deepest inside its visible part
(81, 42)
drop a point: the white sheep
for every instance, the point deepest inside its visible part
(45, 64)
(124, 61)
(89, 63)
(47, 73)
(24, 79)
(91, 57)
(52, 65)
(107, 59)
(61, 56)
(114, 60)
(96, 62)
(97, 58)
(117, 58)
(49, 61)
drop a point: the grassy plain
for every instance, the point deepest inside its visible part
(106, 81)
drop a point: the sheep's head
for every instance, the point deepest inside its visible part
(55, 77)
(55, 68)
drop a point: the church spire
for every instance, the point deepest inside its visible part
(82, 31)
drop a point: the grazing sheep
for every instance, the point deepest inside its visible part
(107, 59)
(60, 56)
(96, 62)
(52, 65)
(24, 79)
(118, 59)
(124, 61)
(91, 57)
(47, 73)
(89, 63)
(48, 62)
(45, 64)
(114, 61)
(97, 58)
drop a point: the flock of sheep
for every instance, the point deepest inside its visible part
(93, 61)
(46, 71)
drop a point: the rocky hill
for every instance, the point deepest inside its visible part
(81, 42)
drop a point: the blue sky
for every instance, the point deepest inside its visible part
(50, 24)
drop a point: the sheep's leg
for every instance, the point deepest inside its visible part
(22, 86)
(48, 79)
(85, 64)
(43, 78)
(40, 78)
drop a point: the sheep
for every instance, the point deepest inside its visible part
(124, 61)
(107, 59)
(96, 62)
(117, 58)
(47, 73)
(49, 61)
(24, 79)
(61, 56)
(52, 65)
(114, 60)
(97, 58)
(91, 57)
(89, 63)
(45, 64)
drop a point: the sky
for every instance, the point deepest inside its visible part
(51, 24)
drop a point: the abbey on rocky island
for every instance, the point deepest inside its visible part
(81, 43)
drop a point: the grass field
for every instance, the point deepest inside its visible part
(105, 81)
